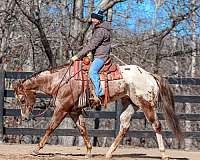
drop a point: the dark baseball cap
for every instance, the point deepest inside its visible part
(98, 15)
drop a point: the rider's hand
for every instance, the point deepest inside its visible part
(74, 58)
(90, 55)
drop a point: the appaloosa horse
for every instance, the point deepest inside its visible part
(138, 89)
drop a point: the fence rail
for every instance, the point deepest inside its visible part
(93, 114)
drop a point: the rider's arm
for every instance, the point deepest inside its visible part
(93, 43)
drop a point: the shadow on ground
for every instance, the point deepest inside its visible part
(138, 156)
(144, 156)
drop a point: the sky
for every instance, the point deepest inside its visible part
(143, 10)
(140, 15)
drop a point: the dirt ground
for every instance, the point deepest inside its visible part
(52, 152)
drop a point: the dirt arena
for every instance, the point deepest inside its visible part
(50, 152)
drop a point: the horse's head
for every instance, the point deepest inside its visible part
(26, 99)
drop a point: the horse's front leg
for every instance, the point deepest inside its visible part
(80, 122)
(56, 119)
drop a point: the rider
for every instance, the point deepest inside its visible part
(99, 45)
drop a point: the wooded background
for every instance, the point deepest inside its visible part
(38, 34)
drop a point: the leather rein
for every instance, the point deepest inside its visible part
(53, 99)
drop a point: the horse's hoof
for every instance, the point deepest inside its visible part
(165, 158)
(35, 152)
(87, 156)
(108, 156)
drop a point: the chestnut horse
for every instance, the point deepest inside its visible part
(138, 89)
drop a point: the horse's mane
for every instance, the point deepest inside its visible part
(51, 70)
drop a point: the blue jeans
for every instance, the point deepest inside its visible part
(96, 65)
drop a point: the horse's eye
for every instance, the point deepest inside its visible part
(22, 100)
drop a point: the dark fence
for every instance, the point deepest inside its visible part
(94, 114)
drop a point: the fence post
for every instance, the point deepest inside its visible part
(2, 88)
(96, 126)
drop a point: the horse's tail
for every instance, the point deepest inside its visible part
(166, 100)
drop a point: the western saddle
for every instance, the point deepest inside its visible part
(109, 72)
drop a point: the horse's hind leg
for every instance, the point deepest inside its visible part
(56, 119)
(125, 119)
(151, 116)
(78, 118)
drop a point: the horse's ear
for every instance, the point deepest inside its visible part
(17, 85)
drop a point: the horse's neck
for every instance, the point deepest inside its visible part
(38, 82)
(45, 81)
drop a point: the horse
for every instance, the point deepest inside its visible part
(138, 89)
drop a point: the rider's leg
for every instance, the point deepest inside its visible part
(94, 75)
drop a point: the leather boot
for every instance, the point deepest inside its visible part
(96, 100)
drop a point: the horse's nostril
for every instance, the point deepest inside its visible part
(24, 119)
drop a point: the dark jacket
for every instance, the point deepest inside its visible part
(100, 43)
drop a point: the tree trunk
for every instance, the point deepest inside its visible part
(35, 19)
(110, 15)
(188, 108)
(176, 71)
(90, 7)
(78, 15)
(157, 3)
(61, 58)
(46, 44)
(160, 41)
(107, 4)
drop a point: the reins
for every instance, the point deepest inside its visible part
(55, 93)
(41, 113)
(53, 99)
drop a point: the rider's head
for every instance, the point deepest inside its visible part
(97, 18)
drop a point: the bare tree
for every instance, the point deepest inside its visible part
(6, 27)
(193, 68)
(34, 17)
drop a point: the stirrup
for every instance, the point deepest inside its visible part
(96, 100)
